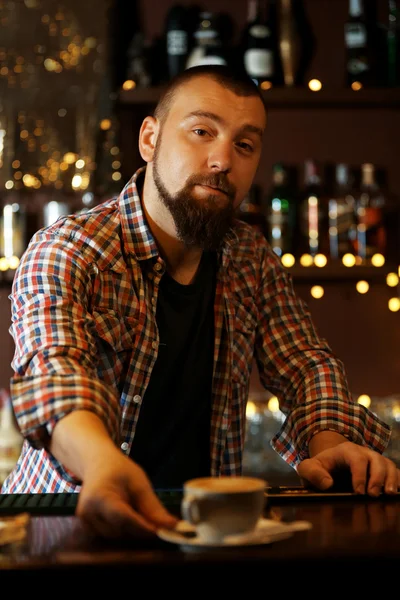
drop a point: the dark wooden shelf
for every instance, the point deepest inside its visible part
(286, 98)
(334, 272)
(338, 272)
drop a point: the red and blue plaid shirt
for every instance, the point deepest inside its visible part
(84, 325)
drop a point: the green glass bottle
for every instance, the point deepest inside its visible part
(281, 211)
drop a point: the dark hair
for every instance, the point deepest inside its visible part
(236, 81)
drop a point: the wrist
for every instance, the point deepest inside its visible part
(323, 440)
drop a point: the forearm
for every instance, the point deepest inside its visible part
(79, 441)
(324, 440)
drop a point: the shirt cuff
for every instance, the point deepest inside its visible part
(352, 420)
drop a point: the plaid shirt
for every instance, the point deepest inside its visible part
(83, 321)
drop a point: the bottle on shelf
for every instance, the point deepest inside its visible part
(127, 48)
(370, 206)
(251, 210)
(259, 44)
(177, 39)
(342, 214)
(208, 48)
(280, 212)
(313, 212)
(13, 229)
(53, 209)
(393, 44)
(359, 67)
(296, 41)
(119, 35)
(138, 61)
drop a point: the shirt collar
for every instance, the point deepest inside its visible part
(138, 239)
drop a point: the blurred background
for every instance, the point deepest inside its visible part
(77, 79)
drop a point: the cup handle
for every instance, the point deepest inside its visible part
(190, 508)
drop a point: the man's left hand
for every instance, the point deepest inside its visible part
(371, 473)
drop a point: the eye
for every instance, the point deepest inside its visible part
(245, 146)
(200, 132)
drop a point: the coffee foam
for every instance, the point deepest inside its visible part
(226, 484)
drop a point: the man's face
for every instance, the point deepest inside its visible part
(206, 157)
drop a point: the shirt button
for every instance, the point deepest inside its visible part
(154, 345)
(125, 446)
(137, 399)
(158, 267)
(153, 301)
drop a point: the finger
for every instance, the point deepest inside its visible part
(377, 474)
(93, 523)
(113, 518)
(314, 472)
(96, 526)
(149, 505)
(391, 478)
(127, 522)
(106, 528)
(358, 465)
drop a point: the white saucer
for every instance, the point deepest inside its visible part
(266, 532)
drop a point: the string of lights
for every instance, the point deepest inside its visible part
(362, 286)
(56, 144)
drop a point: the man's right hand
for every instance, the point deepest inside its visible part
(117, 500)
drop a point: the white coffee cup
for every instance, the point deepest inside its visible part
(223, 506)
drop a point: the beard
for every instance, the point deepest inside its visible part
(200, 223)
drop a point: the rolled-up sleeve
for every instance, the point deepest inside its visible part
(300, 368)
(55, 351)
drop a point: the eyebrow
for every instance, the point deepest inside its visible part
(218, 119)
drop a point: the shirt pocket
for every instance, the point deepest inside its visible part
(114, 331)
(243, 341)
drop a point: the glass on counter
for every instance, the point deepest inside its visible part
(10, 437)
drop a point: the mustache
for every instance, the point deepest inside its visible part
(217, 180)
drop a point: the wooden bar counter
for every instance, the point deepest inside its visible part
(354, 543)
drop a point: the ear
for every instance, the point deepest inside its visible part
(148, 138)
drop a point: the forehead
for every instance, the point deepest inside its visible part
(208, 95)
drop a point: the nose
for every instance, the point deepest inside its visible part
(220, 157)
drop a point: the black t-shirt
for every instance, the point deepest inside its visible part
(172, 438)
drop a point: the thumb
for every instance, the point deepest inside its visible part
(312, 471)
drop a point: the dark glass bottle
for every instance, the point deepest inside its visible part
(281, 212)
(123, 26)
(342, 214)
(138, 61)
(371, 232)
(393, 45)
(208, 48)
(177, 39)
(259, 44)
(313, 213)
(127, 48)
(296, 41)
(251, 210)
(273, 26)
(358, 61)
